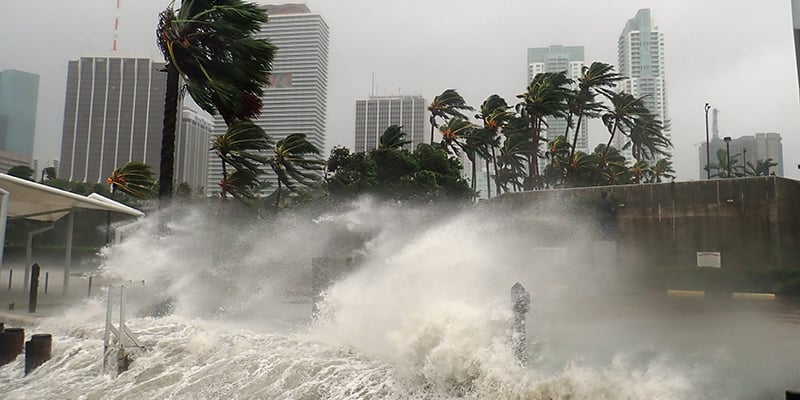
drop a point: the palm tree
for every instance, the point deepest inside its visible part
(512, 160)
(621, 117)
(545, 96)
(393, 138)
(135, 179)
(640, 172)
(242, 147)
(452, 133)
(211, 46)
(290, 163)
(722, 164)
(761, 168)
(662, 169)
(612, 166)
(445, 106)
(495, 115)
(598, 78)
(646, 138)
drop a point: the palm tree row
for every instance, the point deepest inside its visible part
(510, 138)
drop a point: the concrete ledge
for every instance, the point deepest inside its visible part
(753, 296)
(686, 293)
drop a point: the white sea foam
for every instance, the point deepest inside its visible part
(225, 315)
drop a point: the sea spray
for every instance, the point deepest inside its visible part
(424, 316)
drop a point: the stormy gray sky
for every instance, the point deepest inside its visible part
(737, 55)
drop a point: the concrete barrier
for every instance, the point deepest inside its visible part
(686, 293)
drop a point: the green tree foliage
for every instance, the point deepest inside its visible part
(427, 174)
(22, 172)
(295, 159)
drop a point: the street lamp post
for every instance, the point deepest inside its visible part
(708, 145)
(727, 140)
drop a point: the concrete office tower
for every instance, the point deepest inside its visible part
(376, 114)
(297, 99)
(113, 114)
(556, 59)
(19, 95)
(640, 50)
(191, 150)
(750, 149)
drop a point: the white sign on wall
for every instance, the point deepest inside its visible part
(711, 259)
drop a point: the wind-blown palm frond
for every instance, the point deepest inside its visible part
(393, 138)
(597, 78)
(212, 45)
(134, 178)
(295, 159)
(447, 105)
(546, 96)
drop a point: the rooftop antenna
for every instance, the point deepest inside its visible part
(116, 28)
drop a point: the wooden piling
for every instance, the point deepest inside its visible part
(11, 342)
(33, 295)
(37, 351)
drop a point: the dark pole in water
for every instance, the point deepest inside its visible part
(521, 304)
(37, 351)
(11, 342)
(10, 274)
(46, 281)
(34, 293)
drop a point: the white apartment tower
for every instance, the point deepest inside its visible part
(640, 50)
(376, 114)
(192, 143)
(297, 99)
(559, 58)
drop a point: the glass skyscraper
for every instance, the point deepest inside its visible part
(19, 95)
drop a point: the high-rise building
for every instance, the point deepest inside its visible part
(19, 94)
(640, 50)
(296, 102)
(744, 150)
(376, 114)
(192, 149)
(113, 114)
(557, 58)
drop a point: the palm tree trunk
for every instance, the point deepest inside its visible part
(433, 126)
(488, 180)
(566, 131)
(278, 197)
(166, 169)
(575, 138)
(494, 164)
(474, 174)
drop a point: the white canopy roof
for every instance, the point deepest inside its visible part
(39, 202)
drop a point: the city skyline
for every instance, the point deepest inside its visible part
(711, 57)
